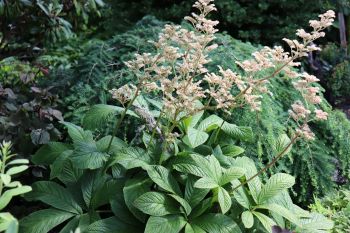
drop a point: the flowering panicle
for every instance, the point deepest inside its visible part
(178, 70)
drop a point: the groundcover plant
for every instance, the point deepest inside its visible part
(183, 171)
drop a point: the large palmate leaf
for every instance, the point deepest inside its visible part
(231, 174)
(43, 221)
(87, 156)
(217, 223)
(165, 224)
(78, 134)
(54, 195)
(210, 123)
(162, 177)
(194, 195)
(275, 185)
(156, 204)
(100, 114)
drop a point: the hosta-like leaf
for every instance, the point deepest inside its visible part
(43, 221)
(100, 114)
(217, 223)
(206, 183)
(266, 221)
(247, 219)
(110, 225)
(133, 157)
(231, 174)
(195, 137)
(224, 200)
(162, 177)
(275, 185)
(165, 224)
(156, 204)
(48, 153)
(54, 195)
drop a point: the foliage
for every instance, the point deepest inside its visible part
(337, 207)
(9, 188)
(27, 25)
(27, 111)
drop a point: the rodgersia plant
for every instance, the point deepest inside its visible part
(183, 172)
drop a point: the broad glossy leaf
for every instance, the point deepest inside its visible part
(134, 188)
(206, 183)
(43, 221)
(57, 166)
(48, 153)
(163, 178)
(132, 157)
(156, 204)
(247, 219)
(165, 224)
(275, 185)
(217, 223)
(195, 137)
(224, 200)
(54, 195)
(87, 156)
(210, 123)
(111, 225)
(266, 221)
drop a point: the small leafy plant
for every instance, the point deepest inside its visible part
(9, 187)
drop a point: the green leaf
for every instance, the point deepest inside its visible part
(156, 204)
(133, 157)
(315, 223)
(57, 166)
(163, 178)
(195, 137)
(71, 225)
(48, 153)
(116, 146)
(77, 133)
(8, 223)
(165, 224)
(206, 183)
(184, 204)
(250, 170)
(93, 185)
(202, 207)
(267, 222)
(110, 225)
(210, 123)
(18, 161)
(275, 185)
(6, 197)
(217, 223)
(224, 200)
(193, 229)
(240, 195)
(231, 174)
(248, 219)
(280, 210)
(100, 114)
(87, 156)
(237, 132)
(54, 195)
(16, 170)
(134, 188)
(193, 195)
(43, 221)
(281, 143)
(232, 150)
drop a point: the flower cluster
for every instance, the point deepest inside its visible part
(178, 70)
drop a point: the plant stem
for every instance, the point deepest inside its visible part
(122, 116)
(270, 164)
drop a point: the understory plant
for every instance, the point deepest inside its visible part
(9, 188)
(183, 171)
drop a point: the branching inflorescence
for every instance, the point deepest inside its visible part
(178, 71)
